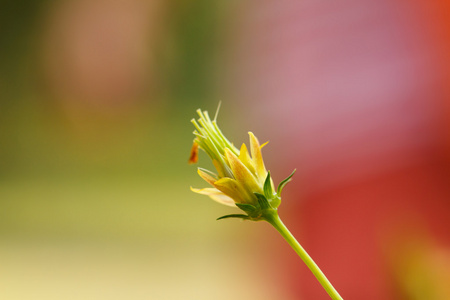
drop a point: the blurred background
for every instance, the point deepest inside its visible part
(95, 102)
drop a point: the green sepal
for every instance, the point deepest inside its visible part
(275, 201)
(263, 203)
(268, 187)
(246, 207)
(236, 216)
(284, 182)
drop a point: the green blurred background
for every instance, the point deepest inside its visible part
(95, 103)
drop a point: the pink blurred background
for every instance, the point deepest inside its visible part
(355, 95)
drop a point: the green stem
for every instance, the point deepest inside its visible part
(276, 222)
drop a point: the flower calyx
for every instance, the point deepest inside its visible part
(266, 204)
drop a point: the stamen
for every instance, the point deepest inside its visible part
(217, 111)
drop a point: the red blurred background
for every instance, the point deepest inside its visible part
(355, 95)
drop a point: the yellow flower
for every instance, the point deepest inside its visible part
(241, 179)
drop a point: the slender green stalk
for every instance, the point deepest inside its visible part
(276, 222)
(243, 181)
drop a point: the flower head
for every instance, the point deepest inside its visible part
(241, 179)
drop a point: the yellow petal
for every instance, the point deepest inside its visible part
(216, 195)
(233, 189)
(257, 157)
(242, 174)
(246, 159)
(223, 199)
(207, 177)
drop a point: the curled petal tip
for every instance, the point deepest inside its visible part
(193, 157)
